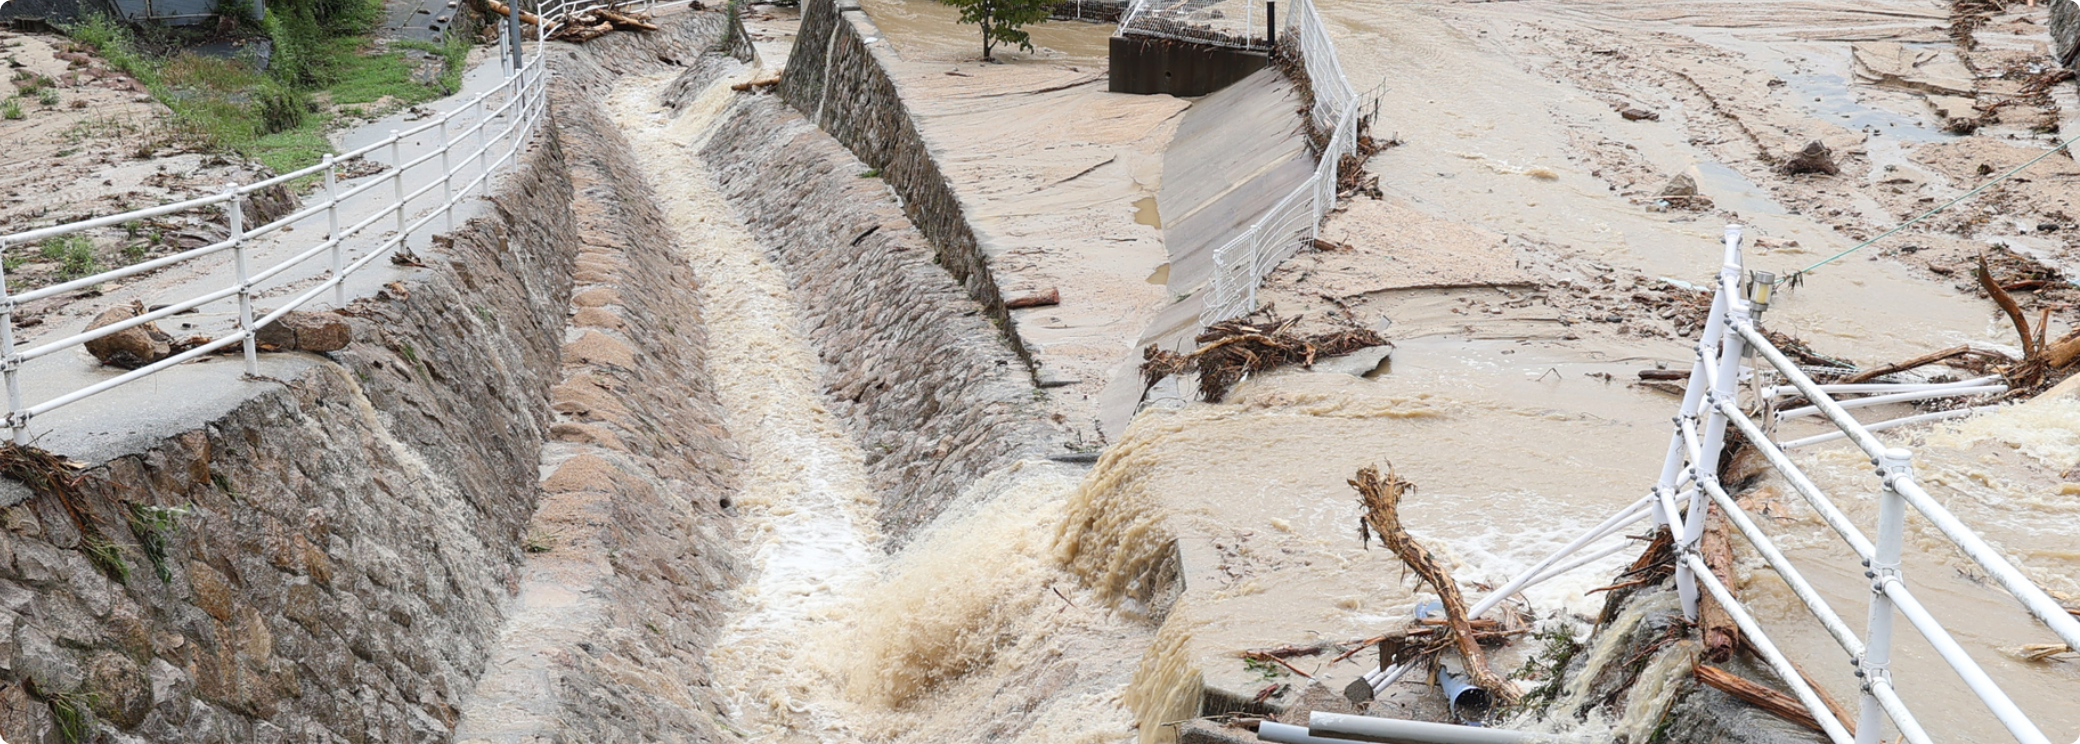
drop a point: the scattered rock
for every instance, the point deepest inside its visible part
(1634, 113)
(132, 347)
(122, 694)
(1049, 298)
(1681, 193)
(1815, 158)
(306, 331)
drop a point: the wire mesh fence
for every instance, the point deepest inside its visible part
(1243, 262)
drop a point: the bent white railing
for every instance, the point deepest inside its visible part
(470, 143)
(1690, 470)
(1709, 406)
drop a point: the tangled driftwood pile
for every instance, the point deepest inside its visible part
(1232, 349)
(592, 24)
(583, 26)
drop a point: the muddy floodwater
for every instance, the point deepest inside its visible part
(1525, 260)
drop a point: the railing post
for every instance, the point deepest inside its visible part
(447, 178)
(513, 32)
(10, 364)
(1712, 433)
(397, 183)
(477, 116)
(237, 218)
(1875, 666)
(339, 286)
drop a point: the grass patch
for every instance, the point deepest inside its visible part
(74, 712)
(11, 108)
(324, 57)
(154, 526)
(74, 254)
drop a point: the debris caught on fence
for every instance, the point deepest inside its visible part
(1381, 497)
(1756, 694)
(1233, 349)
(501, 9)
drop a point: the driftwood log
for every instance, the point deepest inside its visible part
(1722, 637)
(1381, 496)
(499, 8)
(1767, 698)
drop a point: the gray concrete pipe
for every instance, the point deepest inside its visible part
(1335, 726)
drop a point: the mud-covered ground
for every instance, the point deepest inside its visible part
(1587, 113)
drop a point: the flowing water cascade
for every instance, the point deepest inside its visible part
(807, 510)
(971, 632)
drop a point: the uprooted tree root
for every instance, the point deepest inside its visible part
(1381, 497)
(1233, 349)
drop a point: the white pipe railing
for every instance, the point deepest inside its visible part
(1710, 404)
(473, 141)
(1717, 371)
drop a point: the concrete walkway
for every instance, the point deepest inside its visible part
(115, 420)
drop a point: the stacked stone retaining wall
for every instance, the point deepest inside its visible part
(913, 365)
(837, 75)
(342, 548)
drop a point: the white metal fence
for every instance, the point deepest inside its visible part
(1711, 403)
(1244, 261)
(1690, 470)
(1241, 24)
(432, 167)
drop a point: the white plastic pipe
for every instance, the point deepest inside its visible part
(1285, 733)
(1367, 728)
(1786, 391)
(1887, 424)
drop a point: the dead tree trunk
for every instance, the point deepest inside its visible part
(1382, 499)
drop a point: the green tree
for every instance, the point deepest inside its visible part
(1001, 20)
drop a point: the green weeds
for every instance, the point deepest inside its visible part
(323, 58)
(153, 526)
(74, 254)
(75, 714)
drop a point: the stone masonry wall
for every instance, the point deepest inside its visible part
(342, 550)
(347, 537)
(629, 552)
(839, 79)
(914, 368)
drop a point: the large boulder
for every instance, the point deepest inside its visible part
(129, 348)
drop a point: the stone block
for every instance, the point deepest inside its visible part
(25, 719)
(306, 331)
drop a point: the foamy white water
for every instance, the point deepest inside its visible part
(972, 633)
(805, 504)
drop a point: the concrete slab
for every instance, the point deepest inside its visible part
(1235, 155)
(1240, 141)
